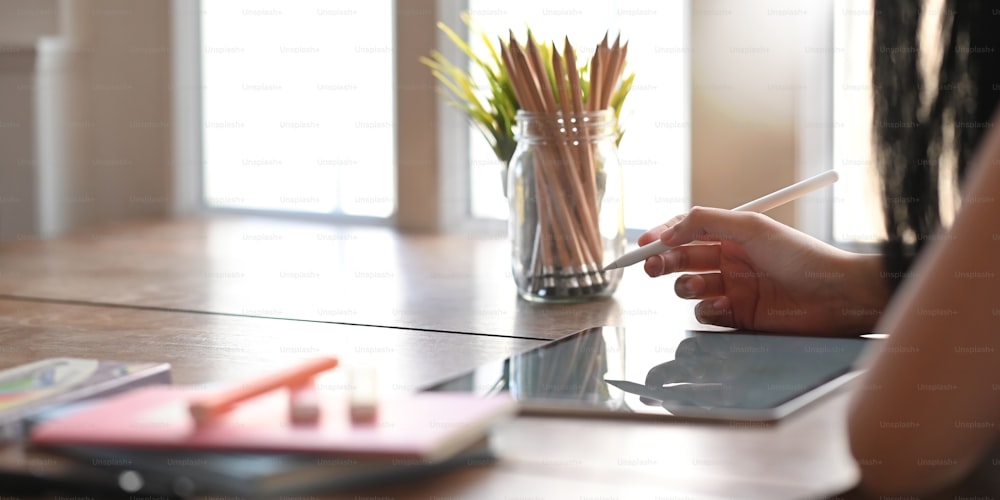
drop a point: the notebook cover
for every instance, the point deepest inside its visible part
(30, 388)
(423, 426)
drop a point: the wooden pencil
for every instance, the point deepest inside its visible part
(577, 219)
(586, 166)
(542, 251)
(554, 195)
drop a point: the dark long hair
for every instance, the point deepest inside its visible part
(910, 131)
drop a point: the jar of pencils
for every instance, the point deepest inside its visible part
(564, 186)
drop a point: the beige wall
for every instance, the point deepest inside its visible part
(21, 23)
(114, 157)
(131, 99)
(17, 157)
(746, 80)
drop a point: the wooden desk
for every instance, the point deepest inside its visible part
(221, 298)
(317, 272)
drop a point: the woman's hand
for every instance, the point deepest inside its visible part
(759, 274)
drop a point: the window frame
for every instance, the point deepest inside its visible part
(832, 7)
(434, 167)
(187, 188)
(815, 143)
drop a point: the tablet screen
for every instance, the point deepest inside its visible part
(732, 375)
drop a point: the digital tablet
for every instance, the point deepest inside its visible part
(608, 371)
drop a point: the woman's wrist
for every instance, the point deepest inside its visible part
(866, 293)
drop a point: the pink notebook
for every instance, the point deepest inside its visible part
(423, 426)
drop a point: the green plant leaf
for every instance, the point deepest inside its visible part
(491, 104)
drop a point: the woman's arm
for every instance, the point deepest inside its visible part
(928, 408)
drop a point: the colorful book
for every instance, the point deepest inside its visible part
(423, 426)
(255, 450)
(28, 389)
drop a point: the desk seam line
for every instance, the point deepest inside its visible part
(24, 298)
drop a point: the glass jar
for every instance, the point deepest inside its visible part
(564, 186)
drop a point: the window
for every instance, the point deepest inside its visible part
(655, 149)
(297, 106)
(857, 214)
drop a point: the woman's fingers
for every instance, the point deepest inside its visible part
(651, 235)
(654, 233)
(700, 286)
(715, 224)
(715, 311)
(692, 258)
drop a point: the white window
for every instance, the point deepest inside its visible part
(857, 212)
(297, 106)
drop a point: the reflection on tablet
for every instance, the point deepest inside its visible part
(729, 376)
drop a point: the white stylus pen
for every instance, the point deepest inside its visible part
(762, 204)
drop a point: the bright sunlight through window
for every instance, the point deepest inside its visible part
(298, 106)
(857, 214)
